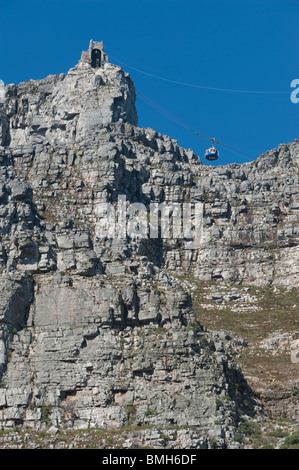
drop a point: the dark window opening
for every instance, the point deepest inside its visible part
(96, 58)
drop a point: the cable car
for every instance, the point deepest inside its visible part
(212, 153)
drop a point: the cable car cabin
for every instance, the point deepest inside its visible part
(211, 154)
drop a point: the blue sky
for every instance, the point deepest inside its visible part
(230, 44)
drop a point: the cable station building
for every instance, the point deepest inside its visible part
(95, 56)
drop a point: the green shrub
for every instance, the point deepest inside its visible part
(193, 326)
(45, 414)
(213, 443)
(278, 433)
(150, 412)
(291, 442)
(250, 429)
(109, 440)
(219, 403)
(238, 437)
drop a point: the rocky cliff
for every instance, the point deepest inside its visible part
(104, 332)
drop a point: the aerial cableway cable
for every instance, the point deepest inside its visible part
(211, 153)
(194, 85)
(224, 145)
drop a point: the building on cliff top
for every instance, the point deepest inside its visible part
(95, 56)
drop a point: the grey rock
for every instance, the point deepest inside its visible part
(98, 331)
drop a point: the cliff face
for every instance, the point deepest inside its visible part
(100, 331)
